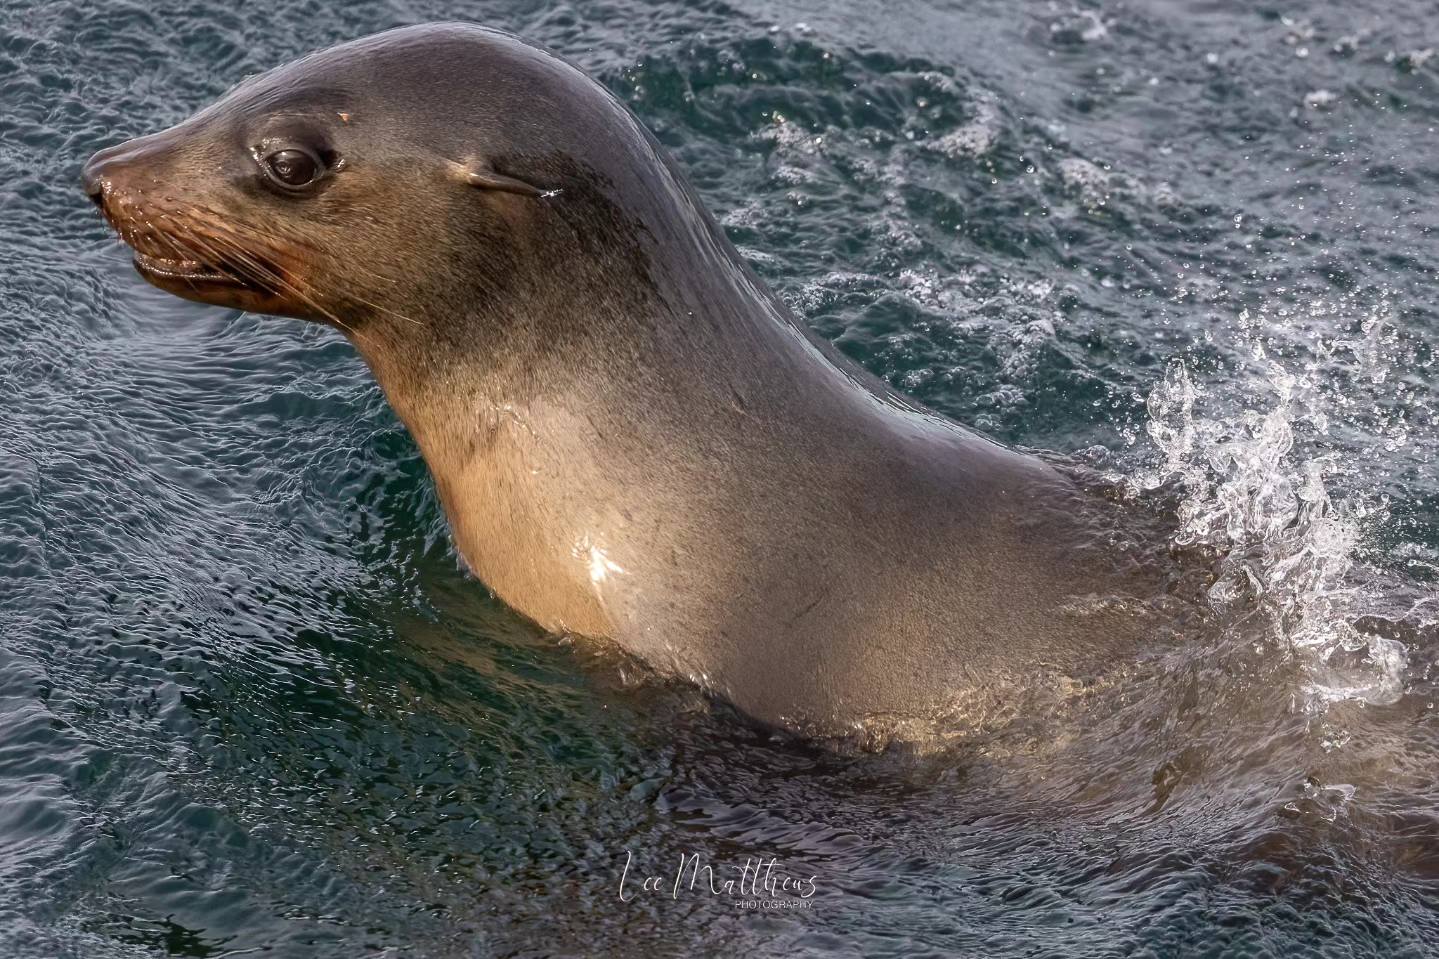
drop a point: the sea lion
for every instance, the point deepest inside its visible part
(634, 440)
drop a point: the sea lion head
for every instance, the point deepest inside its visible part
(399, 184)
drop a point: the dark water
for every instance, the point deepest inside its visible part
(250, 705)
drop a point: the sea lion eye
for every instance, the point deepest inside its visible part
(293, 167)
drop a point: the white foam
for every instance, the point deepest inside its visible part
(1250, 493)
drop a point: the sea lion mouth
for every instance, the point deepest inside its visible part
(189, 271)
(191, 255)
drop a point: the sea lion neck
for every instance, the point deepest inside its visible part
(644, 303)
(555, 419)
(626, 359)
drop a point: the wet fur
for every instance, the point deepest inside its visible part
(633, 439)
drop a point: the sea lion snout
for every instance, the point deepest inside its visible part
(90, 179)
(98, 176)
(127, 168)
(164, 200)
(93, 176)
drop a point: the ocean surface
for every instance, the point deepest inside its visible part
(251, 705)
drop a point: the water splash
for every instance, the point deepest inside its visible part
(1256, 490)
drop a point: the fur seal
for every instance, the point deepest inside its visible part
(634, 440)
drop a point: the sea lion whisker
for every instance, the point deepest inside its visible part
(351, 294)
(205, 251)
(229, 228)
(276, 277)
(218, 222)
(176, 244)
(235, 226)
(232, 251)
(182, 250)
(248, 238)
(247, 232)
(237, 258)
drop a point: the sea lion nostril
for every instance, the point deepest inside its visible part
(92, 182)
(90, 176)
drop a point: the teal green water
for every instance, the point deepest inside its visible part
(249, 704)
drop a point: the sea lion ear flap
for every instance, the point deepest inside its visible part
(482, 176)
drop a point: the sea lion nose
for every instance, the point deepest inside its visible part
(90, 180)
(99, 170)
(113, 164)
